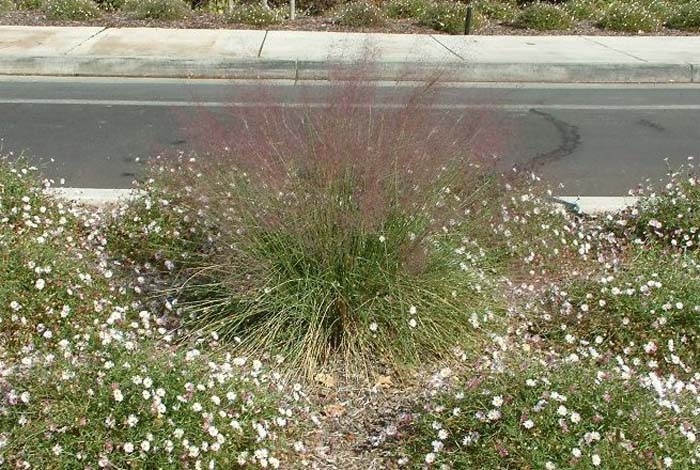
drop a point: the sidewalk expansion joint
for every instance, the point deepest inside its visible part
(83, 42)
(615, 49)
(443, 45)
(262, 44)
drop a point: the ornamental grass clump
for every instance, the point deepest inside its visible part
(333, 232)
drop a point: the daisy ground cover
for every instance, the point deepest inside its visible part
(475, 325)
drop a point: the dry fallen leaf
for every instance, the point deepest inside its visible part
(334, 410)
(384, 381)
(326, 380)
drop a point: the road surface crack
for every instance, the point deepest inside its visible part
(570, 141)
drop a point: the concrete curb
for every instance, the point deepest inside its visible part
(600, 204)
(148, 67)
(101, 197)
(168, 67)
(92, 196)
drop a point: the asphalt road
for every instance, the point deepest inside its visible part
(595, 140)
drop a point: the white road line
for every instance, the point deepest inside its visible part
(263, 83)
(246, 104)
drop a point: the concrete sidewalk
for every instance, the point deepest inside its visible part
(305, 55)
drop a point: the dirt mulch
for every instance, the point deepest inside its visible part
(200, 20)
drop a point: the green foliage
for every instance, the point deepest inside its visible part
(670, 216)
(685, 17)
(153, 229)
(255, 14)
(574, 416)
(360, 15)
(111, 5)
(651, 299)
(500, 10)
(157, 9)
(543, 17)
(40, 264)
(6, 5)
(447, 16)
(97, 375)
(518, 227)
(30, 4)
(71, 10)
(406, 8)
(629, 17)
(583, 9)
(317, 7)
(661, 8)
(144, 407)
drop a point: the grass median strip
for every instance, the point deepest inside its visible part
(354, 276)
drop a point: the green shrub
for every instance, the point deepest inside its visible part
(629, 17)
(543, 17)
(582, 9)
(406, 8)
(158, 9)
(557, 416)
(360, 14)
(255, 14)
(147, 406)
(500, 10)
(661, 8)
(651, 299)
(40, 262)
(111, 5)
(151, 230)
(71, 10)
(30, 4)
(6, 5)
(447, 16)
(523, 228)
(670, 216)
(685, 17)
(316, 7)
(97, 374)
